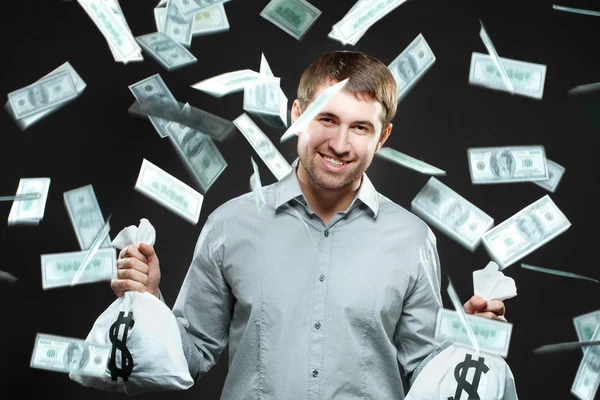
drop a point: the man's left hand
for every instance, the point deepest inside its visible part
(493, 309)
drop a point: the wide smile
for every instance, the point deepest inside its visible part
(332, 164)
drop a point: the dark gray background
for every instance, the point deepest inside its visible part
(95, 141)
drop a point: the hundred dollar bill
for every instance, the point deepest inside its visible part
(526, 78)
(210, 20)
(558, 272)
(191, 7)
(169, 192)
(80, 85)
(582, 89)
(555, 173)
(586, 324)
(256, 186)
(507, 164)
(85, 214)
(46, 93)
(587, 379)
(64, 354)
(576, 10)
(409, 162)
(200, 155)
(7, 277)
(166, 51)
(114, 6)
(29, 196)
(59, 269)
(266, 97)
(451, 213)
(177, 26)
(112, 28)
(334, 35)
(363, 17)
(313, 110)
(29, 212)
(292, 16)
(263, 146)
(229, 82)
(492, 336)
(495, 59)
(524, 232)
(411, 65)
(153, 87)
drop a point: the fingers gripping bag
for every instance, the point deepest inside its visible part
(146, 349)
(460, 373)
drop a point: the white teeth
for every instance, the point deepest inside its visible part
(333, 161)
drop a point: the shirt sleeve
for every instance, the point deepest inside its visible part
(204, 306)
(414, 335)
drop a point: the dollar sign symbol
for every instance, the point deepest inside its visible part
(461, 377)
(126, 358)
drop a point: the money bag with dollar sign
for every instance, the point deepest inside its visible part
(460, 373)
(143, 334)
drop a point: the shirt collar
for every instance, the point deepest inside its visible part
(288, 188)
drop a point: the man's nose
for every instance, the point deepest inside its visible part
(339, 142)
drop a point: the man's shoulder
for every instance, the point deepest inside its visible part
(244, 204)
(396, 216)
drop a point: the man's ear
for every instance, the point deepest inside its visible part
(296, 110)
(384, 136)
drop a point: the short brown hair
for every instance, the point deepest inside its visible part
(369, 79)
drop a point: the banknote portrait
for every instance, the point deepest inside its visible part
(455, 215)
(502, 164)
(76, 356)
(407, 68)
(530, 228)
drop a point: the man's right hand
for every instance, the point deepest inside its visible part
(137, 269)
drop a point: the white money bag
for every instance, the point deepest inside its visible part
(459, 373)
(146, 349)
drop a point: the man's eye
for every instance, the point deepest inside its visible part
(326, 120)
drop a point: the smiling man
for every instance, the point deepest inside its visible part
(331, 290)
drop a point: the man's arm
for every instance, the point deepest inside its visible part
(204, 306)
(415, 330)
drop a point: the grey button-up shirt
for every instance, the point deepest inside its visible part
(311, 311)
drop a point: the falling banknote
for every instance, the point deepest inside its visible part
(587, 379)
(63, 354)
(407, 161)
(191, 7)
(229, 82)
(209, 20)
(169, 192)
(292, 16)
(586, 324)
(451, 213)
(199, 154)
(492, 336)
(524, 232)
(153, 87)
(29, 120)
(527, 79)
(167, 52)
(555, 173)
(507, 164)
(29, 212)
(411, 65)
(178, 26)
(85, 215)
(59, 269)
(263, 146)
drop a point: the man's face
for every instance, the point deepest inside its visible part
(338, 145)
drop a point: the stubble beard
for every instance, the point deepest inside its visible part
(330, 181)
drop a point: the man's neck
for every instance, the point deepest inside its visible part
(325, 203)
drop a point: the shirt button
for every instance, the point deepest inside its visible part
(318, 325)
(315, 373)
(326, 232)
(322, 277)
